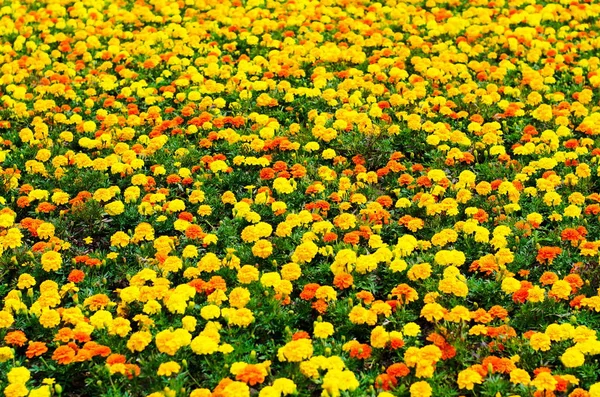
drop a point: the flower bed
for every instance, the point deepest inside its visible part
(306, 198)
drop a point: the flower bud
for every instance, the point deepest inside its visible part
(573, 320)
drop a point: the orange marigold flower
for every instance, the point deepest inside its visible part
(385, 382)
(329, 237)
(320, 306)
(15, 338)
(96, 302)
(36, 349)
(45, 207)
(301, 335)
(76, 276)
(63, 355)
(575, 281)
(498, 312)
(360, 351)
(548, 254)
(405, 293)
(343, 280)
(194, 232)
(366, 297)
(548, 278)
(252, 374)
(23, 202)
(309, 291)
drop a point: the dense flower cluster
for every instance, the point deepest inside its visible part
(299, 197)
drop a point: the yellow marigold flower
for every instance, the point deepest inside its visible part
(89, 126)
(595, 390)
(130, 294)
(190, 251)
(360, 315)
(228, 198)
(420, 271)
(169, 368)
(218, 166)
(468, 378)
(209, 263)
(323, 330)
(239, 297)
(45, 230)
(169, 342)
(119, 239)
(189, 323)
(236, 389)
(411, 329)
(25, 281)
(284, 186)
(201, 393)
(210, 239)
(16, 390)
(544, 381)
(336, 380)
(572, 358)
(345, 221)
(536, 294)
(247, 273)
(120, 326)
(433, 311)
(296, 351)
(262, 249)
(561, 289)
(18, 375)
(115, 208)
(519, 376)
(285, 386)
(51, 261)
(540, 341)
(172, 264)
(241, 317)
(291, 271)
(101, 319)
(510, 285)
(326, 292)
(379, 337)
(139, 340)
(305, 252)
(420, 389)
(6, 353)
(49, 318)
(204, 345)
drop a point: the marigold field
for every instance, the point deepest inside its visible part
(274, 198)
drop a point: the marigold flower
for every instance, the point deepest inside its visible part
(468, 378)
(63, 355)
(51, 261)
(169, 368)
